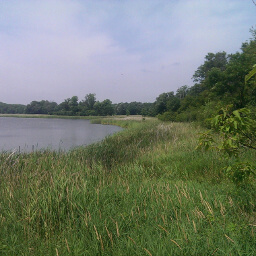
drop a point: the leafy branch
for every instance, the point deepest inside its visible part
(237, 131)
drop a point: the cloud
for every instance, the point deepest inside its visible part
(60, 48)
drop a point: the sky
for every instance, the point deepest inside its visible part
(122, 50)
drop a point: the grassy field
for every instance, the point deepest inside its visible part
(142, 191)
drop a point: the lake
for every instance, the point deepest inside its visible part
(29, 134)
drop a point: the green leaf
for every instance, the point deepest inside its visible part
(235, 124)
(237, 114)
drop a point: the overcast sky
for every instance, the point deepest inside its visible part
(123, 50)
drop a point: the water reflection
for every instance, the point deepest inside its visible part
(28, 134)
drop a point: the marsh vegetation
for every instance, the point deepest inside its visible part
(142, 191)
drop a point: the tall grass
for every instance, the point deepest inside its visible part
(144, 191)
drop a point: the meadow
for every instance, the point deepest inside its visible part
(143, 191)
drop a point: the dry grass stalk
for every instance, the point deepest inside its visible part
(148, 252)
(185, 235)
(52, 181)
(229, 239)
(138, 210)
(207, 205)
(90, 217)
(86, 220)
(163, 229)
(188, 218)
(230, 201)
(222, 209)
(117, 230)
(162, 216)
(199, 214)
(201, 196)
(176, 244)
(97, 234)
(110, 236)
(215, 251)
(132, 240)
(101, 243)
(194, 225)
(67, 244)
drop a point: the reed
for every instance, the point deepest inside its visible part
(143, 191)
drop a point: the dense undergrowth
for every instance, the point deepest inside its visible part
(143, 191)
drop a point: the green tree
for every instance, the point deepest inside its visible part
(107, 108)
(73, 105)
(162, 101)
(12, 108)
(237, 131)
(182, 92)
(89, 101)
(212, 60)
(173, 104)
(104, 108)
(121, 108)
(41, 107)
(65, 105)
(134, 108)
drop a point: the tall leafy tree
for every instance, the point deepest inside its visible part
(182, 92)
(161, 102)
(121, 108)
(73, 105)
(104, 108)
(65, 105)
(89, 101)
(212, 60)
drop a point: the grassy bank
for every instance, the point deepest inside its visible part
(143, 191)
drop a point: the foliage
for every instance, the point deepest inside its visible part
(237, 132)
(89, 101)
(104, 108)
(161, 102)
(168, 102)
(41, 107)
(11, 108)
(88, 106)
(182, 92)
(212, 60)
(167, 116)
(220, 80)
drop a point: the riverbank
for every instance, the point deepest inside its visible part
(94, 119)
(142, 191)
(47, 116)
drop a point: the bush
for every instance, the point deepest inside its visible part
(237, 132)
(167, 116)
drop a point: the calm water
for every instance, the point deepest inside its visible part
(28, 134)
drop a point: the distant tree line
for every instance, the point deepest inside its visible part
(11, 108)
(88, 106)
(72, 107)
